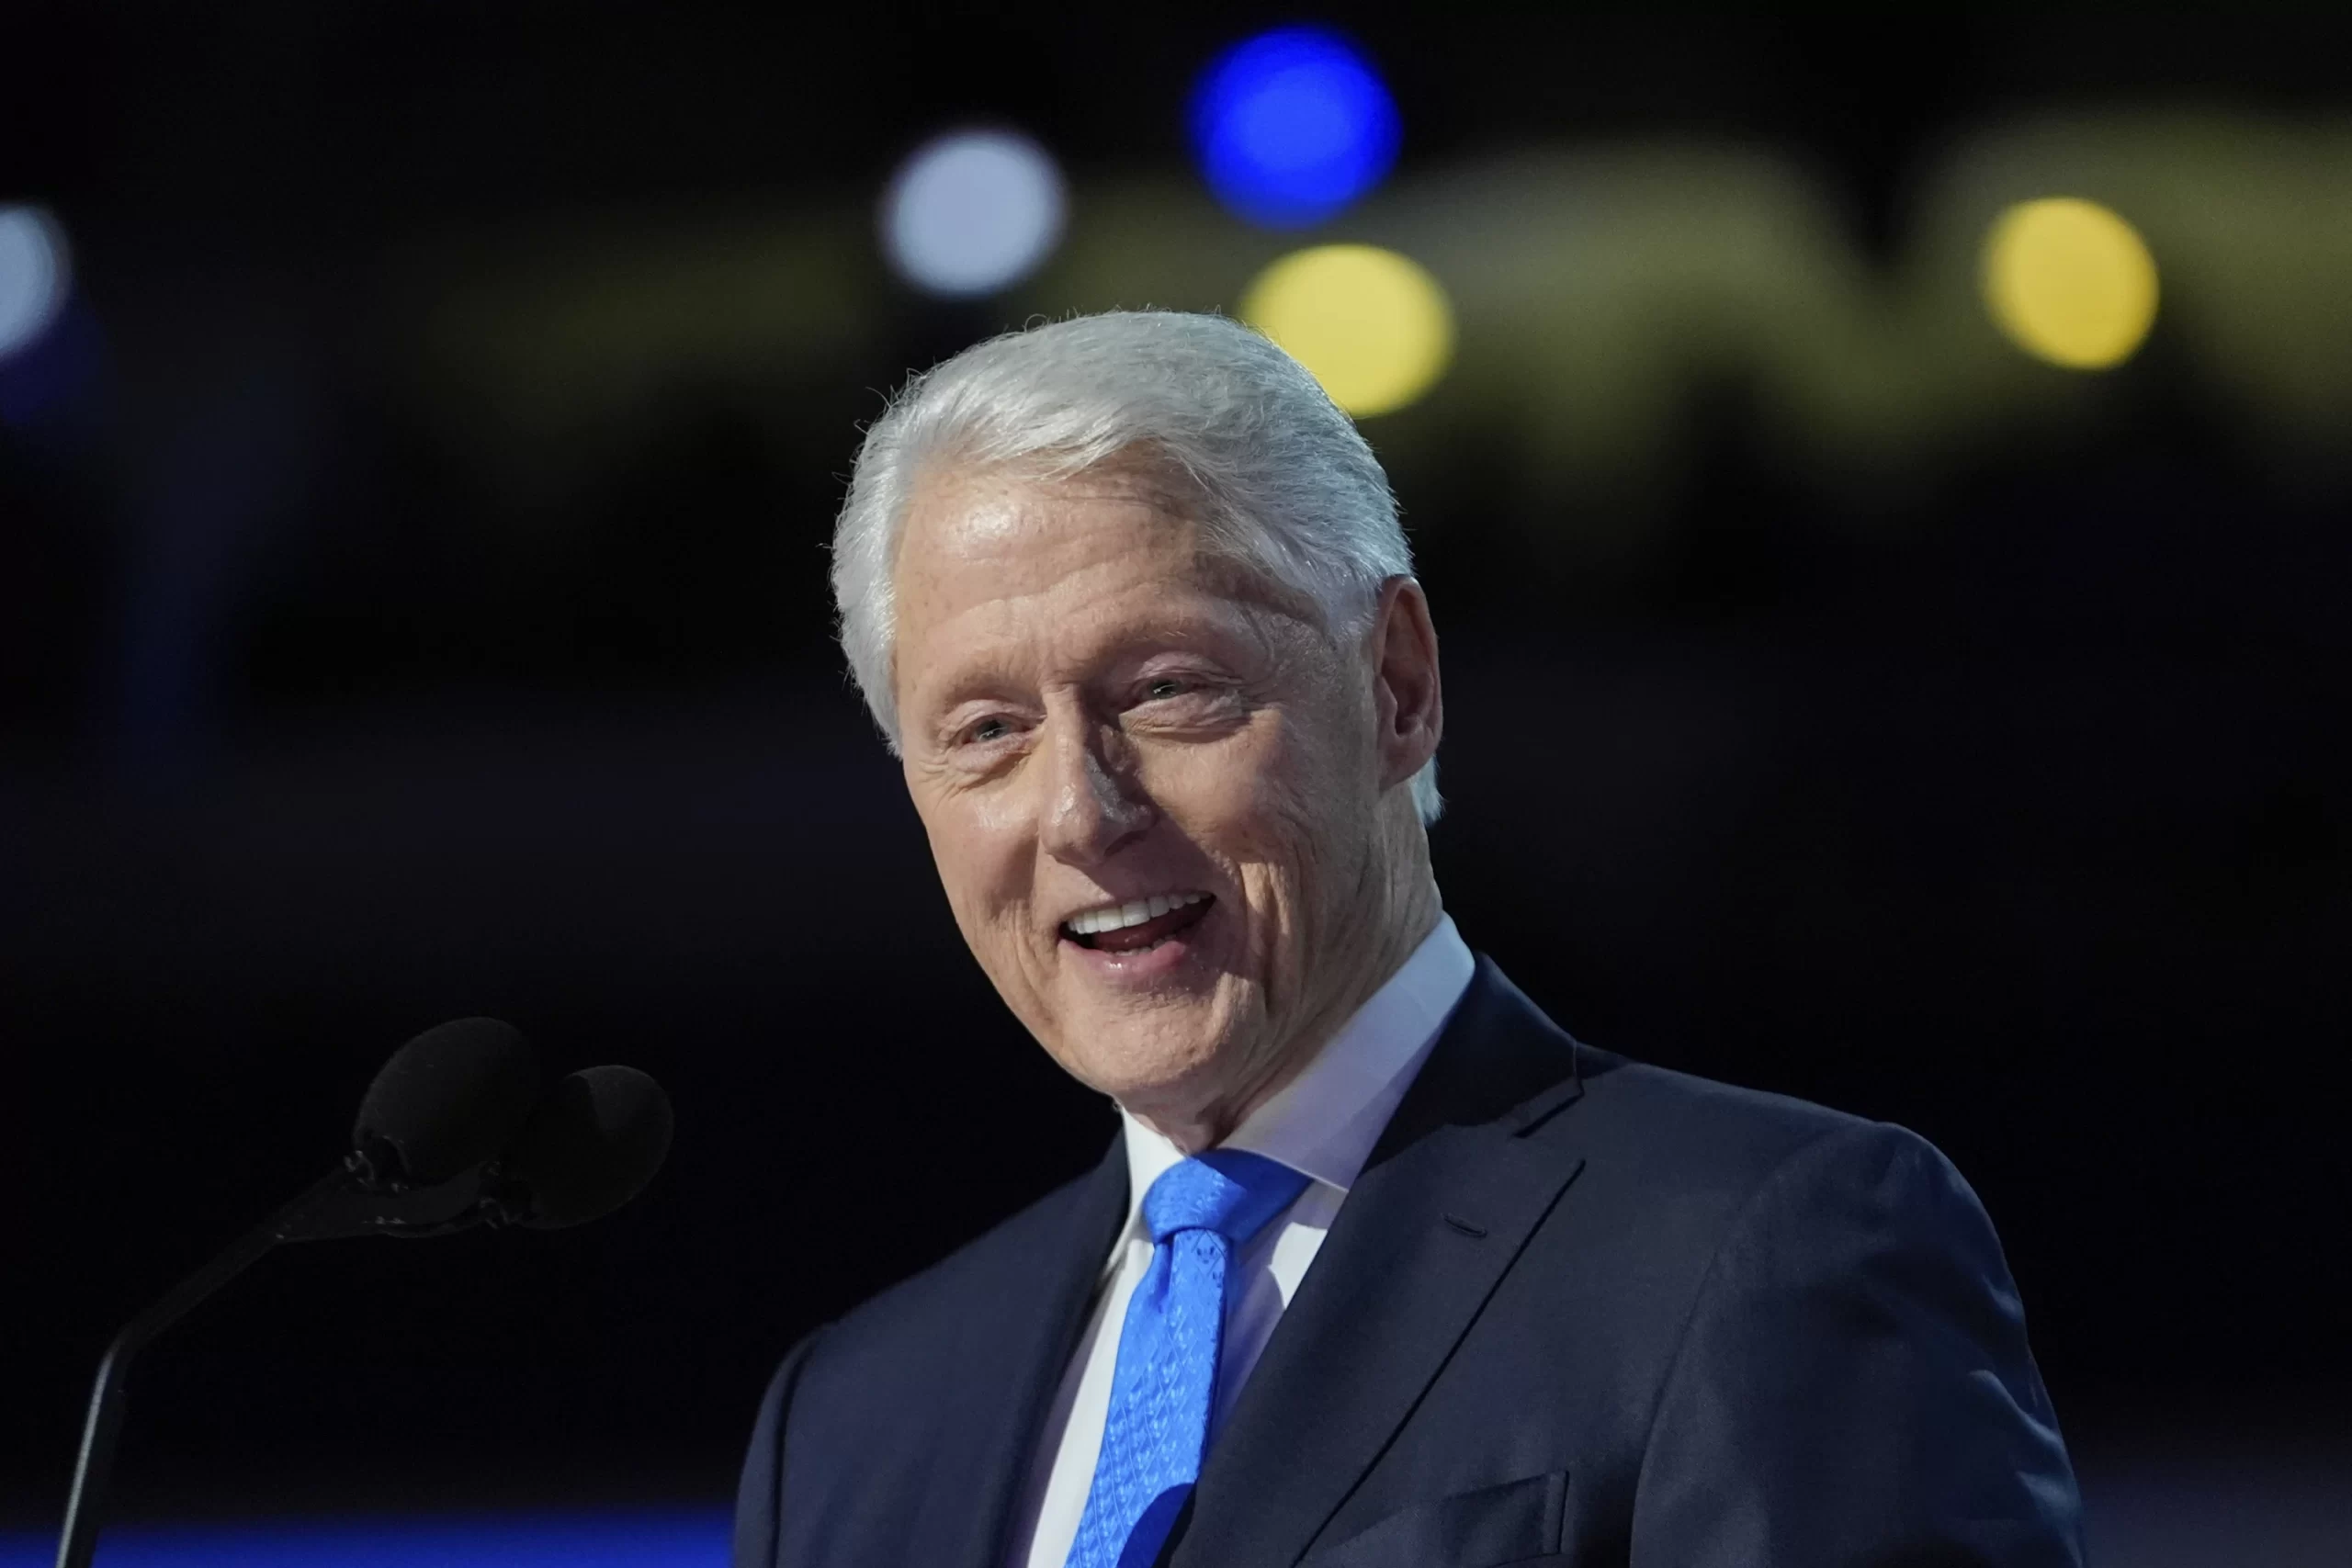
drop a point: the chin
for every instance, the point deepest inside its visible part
(1149, 1068)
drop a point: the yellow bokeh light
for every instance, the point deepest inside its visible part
(2070, 282)
(1374, 326)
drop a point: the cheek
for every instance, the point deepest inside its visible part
(1311, 815)
(1262, 803)
(981, 848)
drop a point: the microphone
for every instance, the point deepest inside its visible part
(429, 1128)
(593, 1142)
(593, 1146)
(425, 1160)
(449, 1099)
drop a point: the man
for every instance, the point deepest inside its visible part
(1384, 1268)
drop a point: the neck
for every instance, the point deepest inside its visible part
(1405, 908)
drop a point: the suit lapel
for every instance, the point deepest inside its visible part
(1450, 1196)
(1028, 1323)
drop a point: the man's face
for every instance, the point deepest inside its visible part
(1150, 779)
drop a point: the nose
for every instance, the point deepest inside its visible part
(1094, 804)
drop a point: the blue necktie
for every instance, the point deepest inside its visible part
(1164, 1385)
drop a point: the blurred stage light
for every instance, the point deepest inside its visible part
(34, 274)
(2070, 282)
(677, 1538)
(1374, 326)
(972, 212)
(1292, 126)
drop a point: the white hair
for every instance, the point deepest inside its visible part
(1287, 482)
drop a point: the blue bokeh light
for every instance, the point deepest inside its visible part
(34, 274)
(1292, 126)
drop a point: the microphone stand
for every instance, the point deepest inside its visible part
(348, 1200)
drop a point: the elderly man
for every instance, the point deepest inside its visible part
(1384, 1268)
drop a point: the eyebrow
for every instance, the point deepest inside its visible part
(990, 675)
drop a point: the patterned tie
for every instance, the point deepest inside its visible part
(1164, 1385)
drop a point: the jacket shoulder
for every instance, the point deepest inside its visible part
(1684, 1171)
(1703, 1127)
(1662, 1145)
(1503, 1058)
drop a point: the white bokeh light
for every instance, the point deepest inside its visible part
(972, 212)
(34, 274)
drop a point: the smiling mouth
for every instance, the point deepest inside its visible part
(1138, 926)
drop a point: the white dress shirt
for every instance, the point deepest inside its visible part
(1323, 1123)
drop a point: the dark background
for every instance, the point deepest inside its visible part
(2010, 807)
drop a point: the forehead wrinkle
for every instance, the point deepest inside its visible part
(974, 543)
(1207, 565)
(978, 528)
(1002, 500)
(1003, 488)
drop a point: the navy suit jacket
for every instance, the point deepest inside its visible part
(1575, 1310)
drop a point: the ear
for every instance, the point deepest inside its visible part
(1408, 703)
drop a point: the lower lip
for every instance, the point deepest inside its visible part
(1147, 966)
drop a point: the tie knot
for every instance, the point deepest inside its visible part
(1223, 1191)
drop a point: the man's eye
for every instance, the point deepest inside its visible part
(988, 729)
(1165, 687)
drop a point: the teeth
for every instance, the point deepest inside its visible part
(1118, 917)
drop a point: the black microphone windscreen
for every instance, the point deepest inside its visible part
(449, 1099)
(593, 1146)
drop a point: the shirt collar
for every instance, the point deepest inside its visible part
(1325, 1122)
